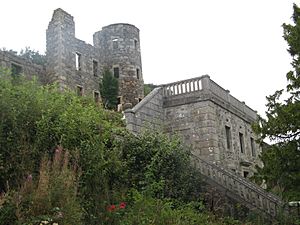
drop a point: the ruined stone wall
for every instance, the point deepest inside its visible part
(77, 66)
(120, 47)
(27, 68)
(70, 60)
(148, 114)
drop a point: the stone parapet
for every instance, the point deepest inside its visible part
(247, 192)
(203, 88)
(146, 115)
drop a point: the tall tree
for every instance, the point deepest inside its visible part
(109, 89)
(281, 170)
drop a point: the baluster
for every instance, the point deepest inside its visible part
(198, 84)
(181, 88)
(194, 85)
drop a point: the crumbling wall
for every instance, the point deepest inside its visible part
(21, 66)
(70, 60)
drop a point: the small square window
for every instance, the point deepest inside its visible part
(115, 43)
(16, 69)
(120, 100)
(245, 174)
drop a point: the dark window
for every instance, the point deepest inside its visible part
(246, 174)
(79, 90)
(115, 44)
(138, 73)
(228, 137)
(120, 100)
(15, 69)
(253, 150)
(135, 44)
(96, 96)
(95, 68)
(116, 72)
(241, 137)
(78, 61)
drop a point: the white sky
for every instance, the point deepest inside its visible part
(237, 42)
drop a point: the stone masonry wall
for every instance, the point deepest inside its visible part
(62, 48)
(120, 47)
(27, 68)
(148, 114)
(200, 111)
(77, 66)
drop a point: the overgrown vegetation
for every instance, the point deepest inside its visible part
(281, 170)
(148, 88)
(66, 160)
(29, 54)
(109, 89)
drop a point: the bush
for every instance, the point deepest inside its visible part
(53, 198)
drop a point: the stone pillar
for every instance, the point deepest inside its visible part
(60, 34)
(205, 82)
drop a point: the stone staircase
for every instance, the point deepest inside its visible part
(152, 114)
(239, 188)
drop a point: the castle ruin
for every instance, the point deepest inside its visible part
(216, 125)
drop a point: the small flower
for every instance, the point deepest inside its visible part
(122, 205)
(111, 208)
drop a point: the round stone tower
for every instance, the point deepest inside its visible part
(119, 45)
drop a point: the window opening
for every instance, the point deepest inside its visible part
(95, 68)
(245, 174)
(116, 72)
(96, 96)
(241, 137)
(16, 69)
(253, 150)
(115, 44)
(138, 73)
(79, 90)
(135, 44)
(119, 100)
(228, 137)
(78, 61)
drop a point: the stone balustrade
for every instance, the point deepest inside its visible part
(250, 193)
(182, 87)
(194, 86)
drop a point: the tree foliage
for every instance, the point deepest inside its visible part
(35, 119)
(148, 88)
(33, 56)
(281, 160)
(109, 89)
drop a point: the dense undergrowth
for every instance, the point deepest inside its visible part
(65, 160)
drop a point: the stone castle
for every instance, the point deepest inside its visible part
(216, 125)
(78, 66)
